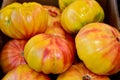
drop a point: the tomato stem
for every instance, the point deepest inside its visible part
(86, 77)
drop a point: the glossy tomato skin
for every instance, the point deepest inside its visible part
(24, 72)
(80, 13)
(12, 54)
(49, 54)
(98, 46)
(78, 71)
(22, 21)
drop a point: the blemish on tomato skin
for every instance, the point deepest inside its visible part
(52, 13)
(86, 77)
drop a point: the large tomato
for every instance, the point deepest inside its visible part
(23, 72)
(98, 46)
(23, 21)
(12, 55)
(49, 54)
(80, 13)
(78, 71)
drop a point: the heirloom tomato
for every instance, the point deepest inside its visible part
(98, 46)
(22, 21)
(80, 13)
(49, 54)
(12, 55)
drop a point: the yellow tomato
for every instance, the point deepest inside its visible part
(80, 13)
(22, 21)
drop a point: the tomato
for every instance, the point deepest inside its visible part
(98, 46)
(12, 54)
(80, 13)
(24, 72)
(78, 71)
(22, 21)
(49, 54)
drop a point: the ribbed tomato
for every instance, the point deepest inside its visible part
(24, 72)
(98, 46)
(80, 13)
(21, 21)
(49, 54)
(12, 55)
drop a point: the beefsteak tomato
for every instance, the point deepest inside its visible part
(49, 54)
(22, 21)
(12, 55)
(98, 46)
(80, 13)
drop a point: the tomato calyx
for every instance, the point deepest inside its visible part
(22, 53)
(86, 77)
(118, 39)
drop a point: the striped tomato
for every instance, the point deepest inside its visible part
(22, 21)
(49, 54)
(12, 55)
(98, 46)
(80, 13)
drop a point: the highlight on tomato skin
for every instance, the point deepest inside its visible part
(12, 55)
(50, 54)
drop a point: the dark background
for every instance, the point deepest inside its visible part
(1, 3)
(118, 2)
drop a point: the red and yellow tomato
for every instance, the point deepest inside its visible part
(11, 55)
(49, 54)
(22, 21)
(24, 72)
(98, 46)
